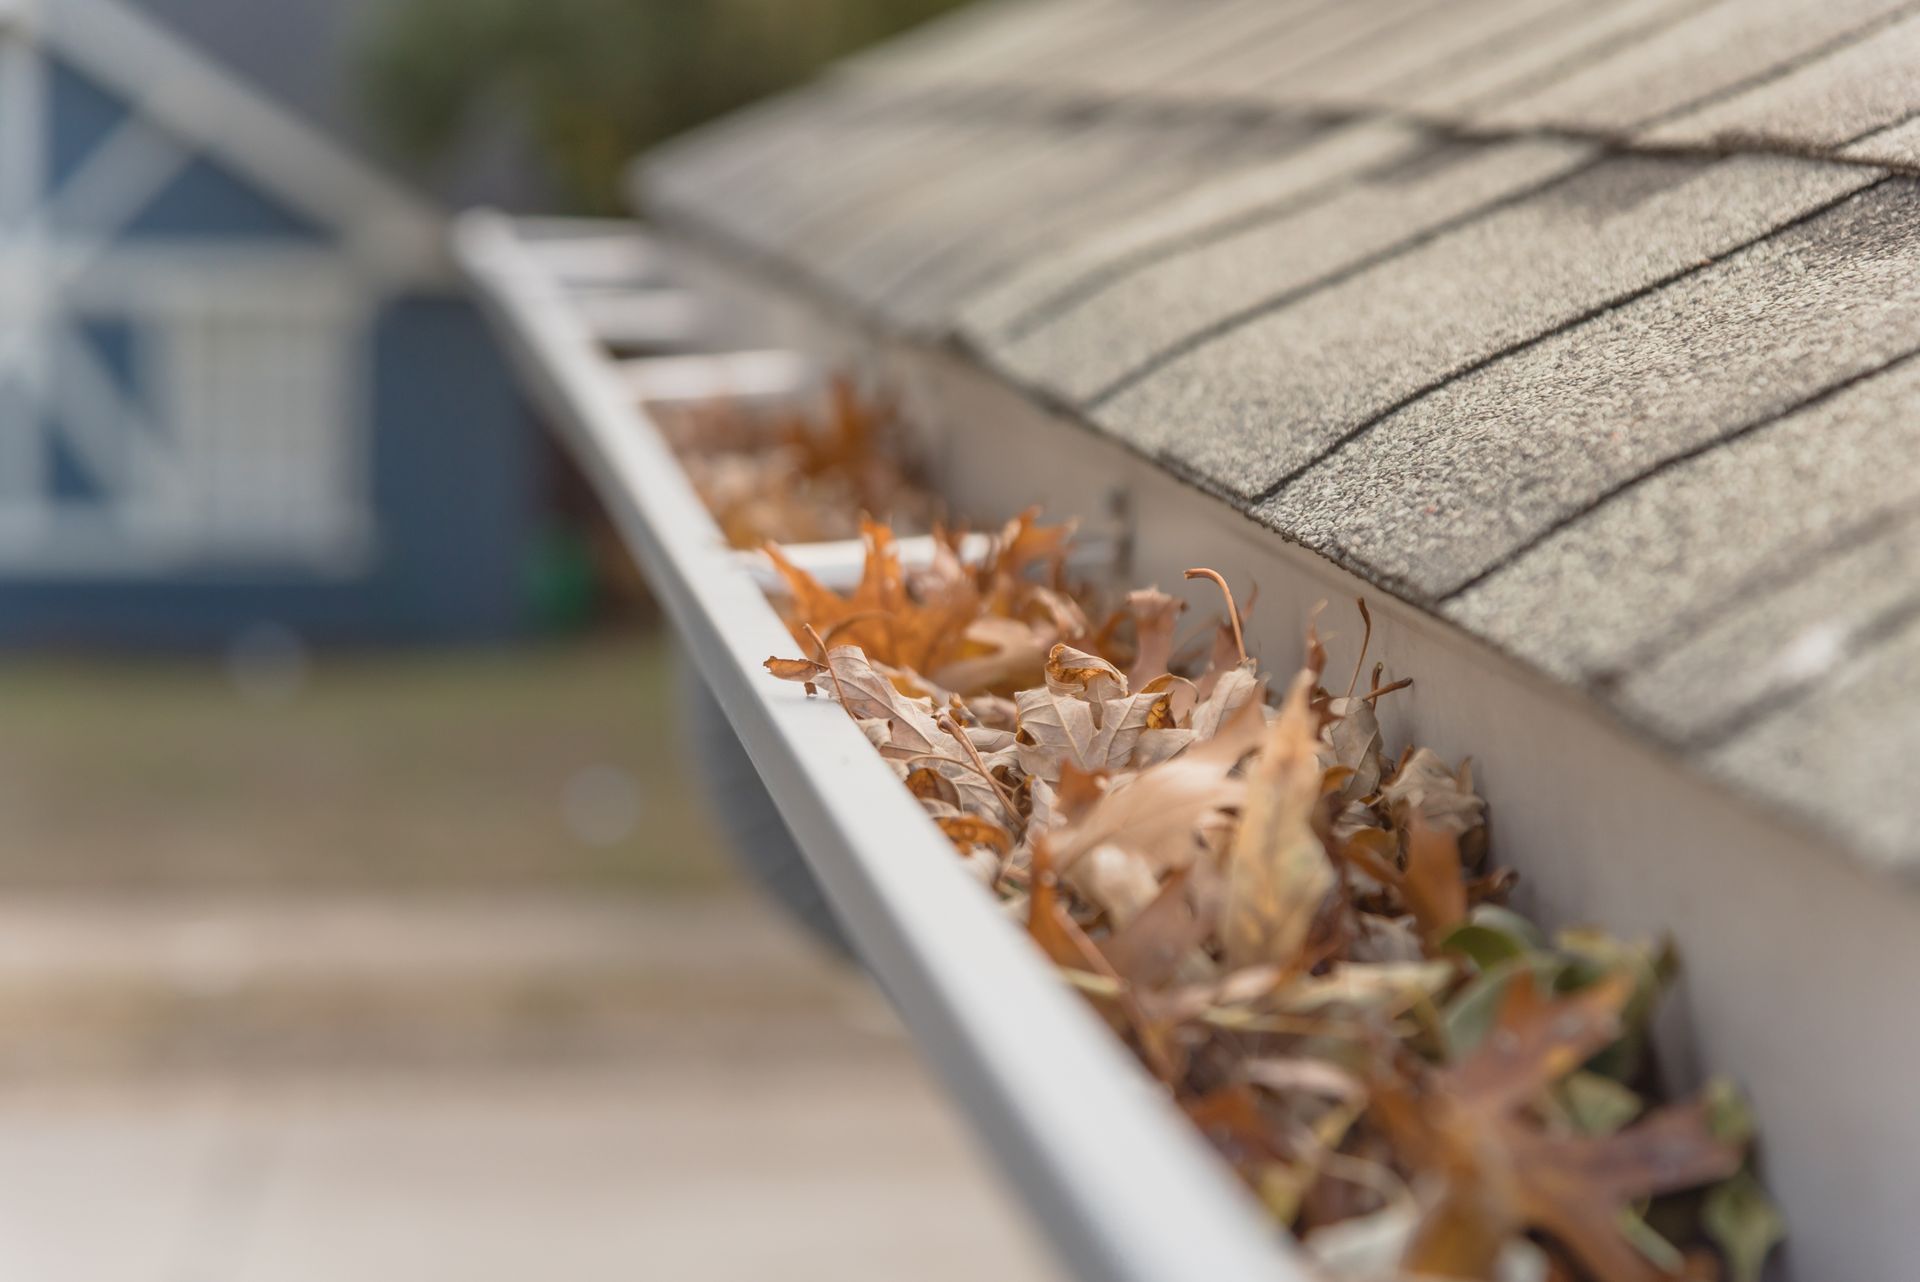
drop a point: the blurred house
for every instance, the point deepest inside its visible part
(238, 382)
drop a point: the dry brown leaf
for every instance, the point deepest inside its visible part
(1431, 883)
(1149, 950)
(997, 654)
(1278, 873)
(1158, 812)
(1356, 744)
(1426, 786)
(968, 831)
(1155, 613)
(805, 670)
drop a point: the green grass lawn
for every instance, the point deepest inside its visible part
(416, 769)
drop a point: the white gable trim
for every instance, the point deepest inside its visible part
(382, 225)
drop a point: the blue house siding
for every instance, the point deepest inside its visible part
(434, 545)
(80, 113)
(207, 201)
(458, 483)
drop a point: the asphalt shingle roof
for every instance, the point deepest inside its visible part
(1591, 326)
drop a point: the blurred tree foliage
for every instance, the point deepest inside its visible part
(591, 82)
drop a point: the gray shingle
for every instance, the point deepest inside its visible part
(732, 174)
(1370, 72)
(1896, 145)
(1546, 52)
(1108, 33)
(1716, 51)
(1154, 159)
(946, 222)
(1677, 548)
(1257, 70)
(1843, 753)
(1267, 399)
(1258, 190)
(1830, 101)
(1440, 491)
(1190, 37)
(1790, 632)
(871, 187)
(935, 197)
(1121, 327)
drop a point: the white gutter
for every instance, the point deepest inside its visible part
(1119, 1181)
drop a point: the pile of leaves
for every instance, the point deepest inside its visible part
(1295, 930)
(781, 475)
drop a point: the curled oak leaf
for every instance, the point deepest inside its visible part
(869, 695)
(1159, 812)
(992, 711)
(969, 831)
(1442, 798)
(1354, 741)
(929, 784)
(804, 670)
(1177, 709)
(1075, 673)
(1154, 615)
(888, 623)
(1051, 732)
(1046, 608)
(1166, 735)
(1024, 543)
(997, 654)
(1278, 873)
(1055, 730)
(1156, 746)
(1221, 699)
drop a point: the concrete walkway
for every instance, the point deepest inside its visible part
(736, 1110)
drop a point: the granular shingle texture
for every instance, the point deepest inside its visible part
(1584, 324)
(1440, 492)
(1184, 293)
(1695, 536)
(1842, 752)
(1280, 180)
(1250, 407)
(1862, 88)
(1783, 636)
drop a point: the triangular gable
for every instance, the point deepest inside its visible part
(242, 133)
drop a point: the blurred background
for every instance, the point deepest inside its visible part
(361, 914)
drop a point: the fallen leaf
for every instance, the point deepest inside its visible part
(1424, 786)
(1278, 873)
(1745, 1224)
(1155, 613)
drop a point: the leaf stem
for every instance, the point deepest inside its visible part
(1233, 611)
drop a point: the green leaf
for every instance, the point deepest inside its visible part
(1510, 923)
(1598, 1105)
(1729, 1116)
(1484, 946)
(1593, 955)
(1744, 1223)
(1470, 1016)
